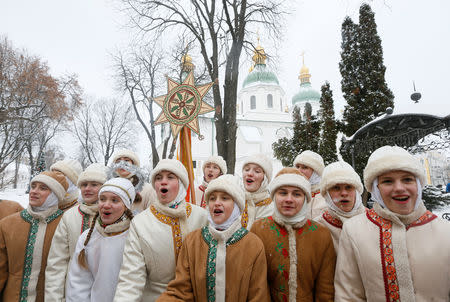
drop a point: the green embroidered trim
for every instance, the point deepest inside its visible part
(28, 262)
(238, 235)
(212, 255)
(54, 216)
(85, 223)
(210, 265)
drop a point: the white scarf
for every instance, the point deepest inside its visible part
(73, 189)
(90, 209)
(334, 207)
(376, 194)
(224, 226)
(180, 196)
(314, 179)
(205, 183)
(50, 202)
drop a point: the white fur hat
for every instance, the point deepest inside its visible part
(69, 167)
(391, 158)
(339, 172)
(126, 153)
(218, 160)
(174, 166)
(229, 184)
(262, 161)
(310, 159)
(56, 182)
(122, 187)
(291, 179)
(94, 172)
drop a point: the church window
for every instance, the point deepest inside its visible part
(253, 102)
(269, 101)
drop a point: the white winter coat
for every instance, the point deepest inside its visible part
(71, 226)
(318, 205)
(104, 253)
(150, 252)
(257, 206)
(383, 254)
(334, 221)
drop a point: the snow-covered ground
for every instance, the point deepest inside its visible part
(21, 197)
(18, 195)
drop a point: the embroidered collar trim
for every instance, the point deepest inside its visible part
(391, 284)
(334, 221)
(66, 206)
(28, 261)
(244, 216)
(212, 255)
(174, 222)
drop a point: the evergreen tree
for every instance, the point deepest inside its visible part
(305, 137)
(363, 72)
(327, 144)
(347, 67)
(434, 198)
(363, 78)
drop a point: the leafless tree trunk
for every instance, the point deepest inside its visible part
(140, 75)
(82, 128)
(103, 127)
(213, 24)
(16, 172)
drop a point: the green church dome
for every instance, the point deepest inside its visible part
(306, 94)
(260, 74)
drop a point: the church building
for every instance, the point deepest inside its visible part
(264, 114)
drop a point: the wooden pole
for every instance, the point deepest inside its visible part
(190, 167)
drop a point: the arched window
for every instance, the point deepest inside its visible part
(253, 102)
(269, 101)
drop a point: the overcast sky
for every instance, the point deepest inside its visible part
(78, 37)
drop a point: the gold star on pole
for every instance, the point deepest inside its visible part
(182, 104)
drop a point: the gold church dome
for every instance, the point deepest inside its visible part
(304, 70)
(186, 63)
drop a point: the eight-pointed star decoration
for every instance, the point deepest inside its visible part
(182, 104)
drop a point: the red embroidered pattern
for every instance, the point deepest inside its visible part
(313, 194)
(84, 220)
(283, 272)
(392, 291)
(280, 249)
(175, 224)
(387, 253)
(336, 222)
(425, 218)
(203, 202)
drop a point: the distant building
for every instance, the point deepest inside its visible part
(436, 166)
(264, 114)
(307, 95)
